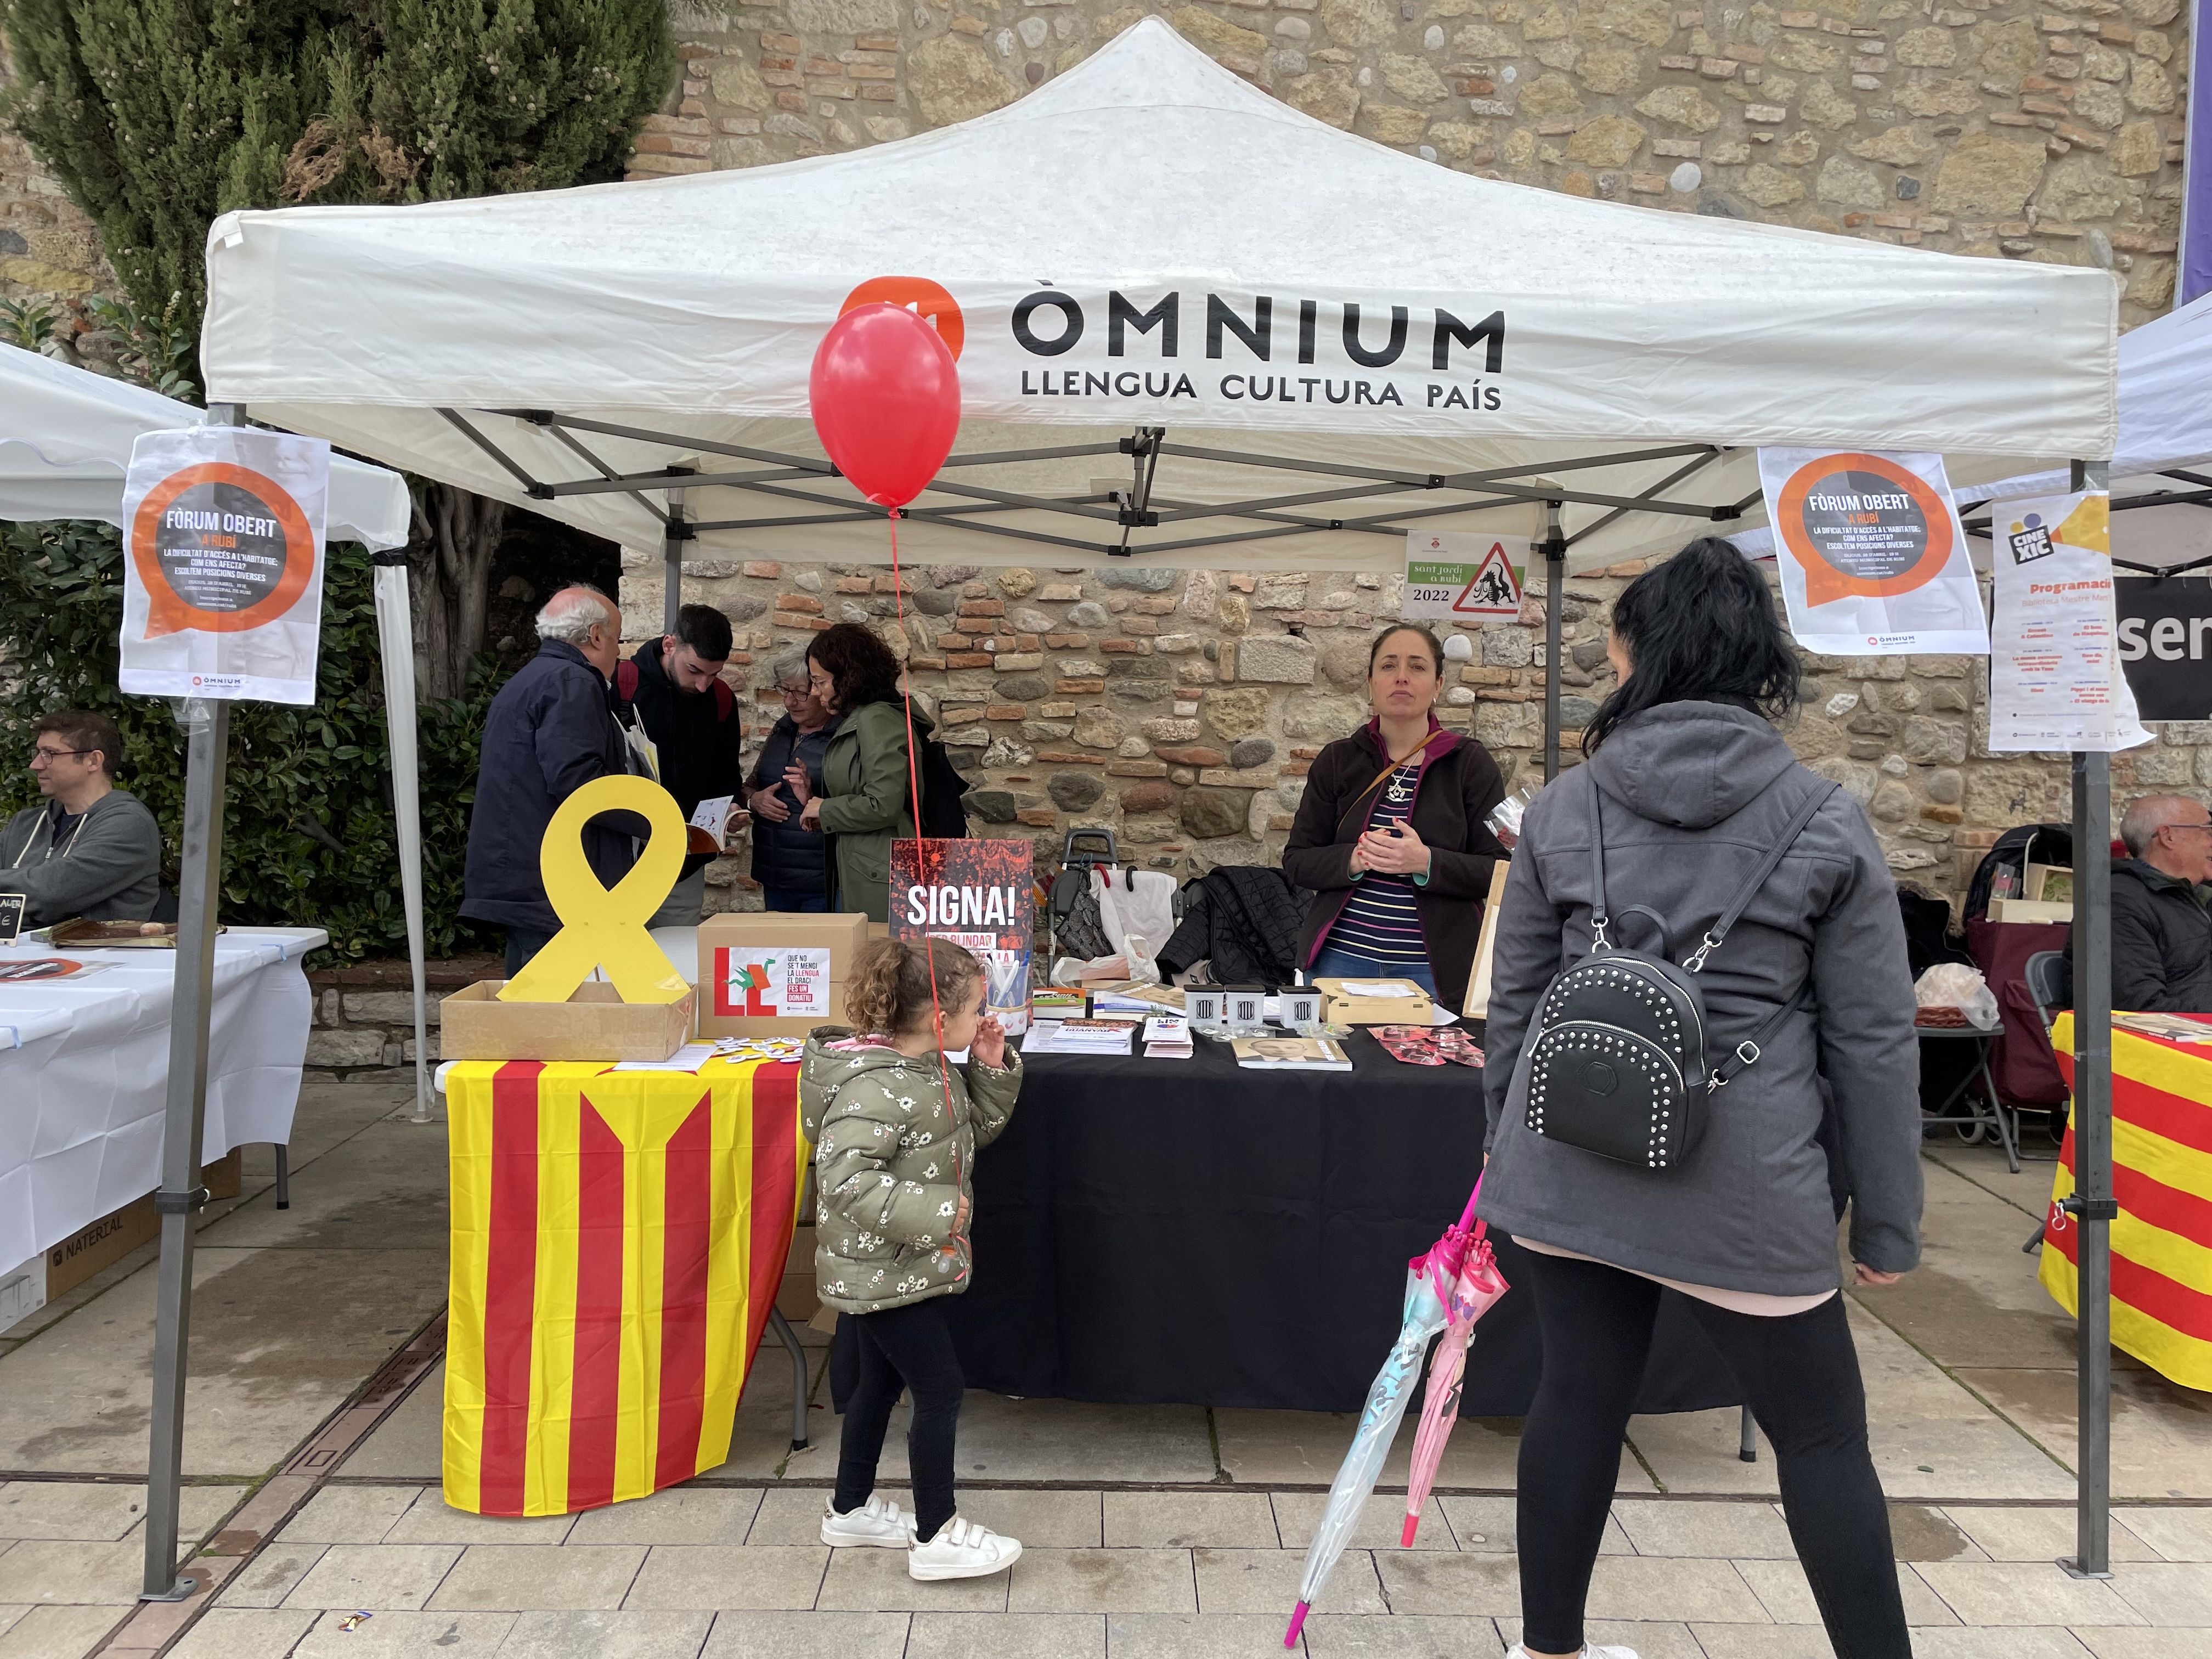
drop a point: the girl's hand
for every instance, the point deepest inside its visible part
(1866, 1276)
(990, 1043)
(1404, 854)
(810, 816)
(794, 775)
(960, 1216)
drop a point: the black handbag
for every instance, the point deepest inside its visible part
(1619, 1065)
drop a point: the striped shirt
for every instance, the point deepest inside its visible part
(1380, 919)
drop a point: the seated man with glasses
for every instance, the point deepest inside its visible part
(2161, 932)
(791, 861)
(91, 850)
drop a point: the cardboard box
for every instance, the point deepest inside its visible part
(1346, 1009)
(594, 1025)
(2047, 884)
(2021, 910)
(790, 967)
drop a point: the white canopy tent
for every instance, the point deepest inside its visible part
(65, 439)
(2162, 462)
(1188, 319)
(1195, 328)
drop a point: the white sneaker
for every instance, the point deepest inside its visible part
(1591, 1650)
(962, 1550)
(878, 1522)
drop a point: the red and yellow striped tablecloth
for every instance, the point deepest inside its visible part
(617, 1241)
(2162, 1179)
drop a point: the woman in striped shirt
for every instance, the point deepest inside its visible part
(1390, 834)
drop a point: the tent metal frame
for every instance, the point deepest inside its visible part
(2199, 495)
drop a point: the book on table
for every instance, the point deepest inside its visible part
(1291, 1055)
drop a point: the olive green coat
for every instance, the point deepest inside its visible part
(893, 1157)
(866, 804)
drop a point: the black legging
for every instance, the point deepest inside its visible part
(908, 1348)
(1800, 1375)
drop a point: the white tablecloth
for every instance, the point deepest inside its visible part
(84, 1068)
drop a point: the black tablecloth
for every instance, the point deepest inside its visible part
(1158, 1230)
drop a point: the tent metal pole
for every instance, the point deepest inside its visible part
(1555, 576)
(2092, 1203)
(181, 1196)
(671, 562)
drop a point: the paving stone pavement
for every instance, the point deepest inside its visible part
(1151, 1532)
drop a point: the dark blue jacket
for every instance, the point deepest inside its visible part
(784, 855)
(550, 731)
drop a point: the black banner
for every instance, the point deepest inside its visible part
(2166, 644)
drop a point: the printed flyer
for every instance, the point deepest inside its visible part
(2056, 680)
(222, 572)
(1872, 554)
(1457, 577)
(979, 894)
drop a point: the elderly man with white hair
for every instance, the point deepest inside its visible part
(2161, 933)
(550, 731)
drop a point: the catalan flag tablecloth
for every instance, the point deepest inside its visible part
(617, 1241)
(2162, 1179)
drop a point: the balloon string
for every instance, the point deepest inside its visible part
(914, 795)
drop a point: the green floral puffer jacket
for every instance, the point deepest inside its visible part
(892, 1163)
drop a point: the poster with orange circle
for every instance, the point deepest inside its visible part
(223, 569)
(1872, 555)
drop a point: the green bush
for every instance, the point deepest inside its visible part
(308, 833)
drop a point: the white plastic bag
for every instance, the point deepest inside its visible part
(1958, 985)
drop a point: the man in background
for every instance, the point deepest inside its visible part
(2161, 933)
(551, 730)
(791, 861)
(91, 849)
(674, 684)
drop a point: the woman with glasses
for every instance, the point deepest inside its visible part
(790, 861)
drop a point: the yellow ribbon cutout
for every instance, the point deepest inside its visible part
(604, 926)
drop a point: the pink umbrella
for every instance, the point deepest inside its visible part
(1472, 1289)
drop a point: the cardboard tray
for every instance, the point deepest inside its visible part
(1340, 1009)
(594, 1025)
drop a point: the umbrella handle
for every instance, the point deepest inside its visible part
(1298, 1623)
(1473, 1198)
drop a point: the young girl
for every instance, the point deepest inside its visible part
(895, 1129)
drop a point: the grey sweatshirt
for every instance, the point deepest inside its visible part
(1684, 825)
(107, 868)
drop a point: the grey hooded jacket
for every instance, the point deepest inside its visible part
(107, 868)
(1686, 824)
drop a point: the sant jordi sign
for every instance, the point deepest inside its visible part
(222, 585)
(1872, 554)
(1462, 578)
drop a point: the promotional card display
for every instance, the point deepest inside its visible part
(775, 973)
(1167, 1037)
(1872, 554)
(222, 569)
(979, 894)
(1452, 576)
(2055, 676)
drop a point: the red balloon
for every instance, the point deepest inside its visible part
(886, 401)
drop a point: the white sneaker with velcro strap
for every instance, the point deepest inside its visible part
(962, 1550)
(1591, 1650)
(878, 1523)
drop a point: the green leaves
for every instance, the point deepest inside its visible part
(61, 610)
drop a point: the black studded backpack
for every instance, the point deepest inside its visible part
(1617, 1066)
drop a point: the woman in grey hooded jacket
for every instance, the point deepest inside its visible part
(1696, 788)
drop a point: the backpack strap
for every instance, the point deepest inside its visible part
(1599, 920)
(1814, 799)
(725, 701)
(1746, 1052)
(626, 679)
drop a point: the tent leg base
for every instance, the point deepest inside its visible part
(2073, 1569)
(185, 1584)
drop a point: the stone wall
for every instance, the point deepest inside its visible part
(1182, 709)
(2049, 130)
